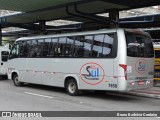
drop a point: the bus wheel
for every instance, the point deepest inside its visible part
(16, 81)
(72, 88)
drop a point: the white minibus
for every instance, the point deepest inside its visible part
(111, 60)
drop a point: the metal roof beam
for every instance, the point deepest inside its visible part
(134, 3)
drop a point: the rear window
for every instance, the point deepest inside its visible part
(4, 55)
(139, 45)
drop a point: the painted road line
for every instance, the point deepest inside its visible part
(38, 95)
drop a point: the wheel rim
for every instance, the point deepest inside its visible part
(72, 87)
(16, 80)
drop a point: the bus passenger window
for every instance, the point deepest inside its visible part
(88, 41)
(14, 51)
(98, 45)
(64, 48)
(23, 49)
(108, 45)
(39, 48)
(78, 50)
(53, 47)
(68, 47)
(33, 48)
(46, 47)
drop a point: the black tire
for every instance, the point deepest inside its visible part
(16, 81)
(72, 88)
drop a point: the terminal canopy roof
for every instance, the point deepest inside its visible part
(143, 21)
(45, 10)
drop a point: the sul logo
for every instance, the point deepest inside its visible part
(92, 73)
(141, 66)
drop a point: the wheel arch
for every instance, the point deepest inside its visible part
(13, 74)
(68, 77)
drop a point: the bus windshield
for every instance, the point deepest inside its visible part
(139, 45)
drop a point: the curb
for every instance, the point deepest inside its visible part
(145, 95)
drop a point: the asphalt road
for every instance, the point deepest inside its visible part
(44, 98)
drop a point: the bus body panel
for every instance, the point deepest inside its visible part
(138, 77)
(140, 67)
(14, 68)
(132, 78)
(53, 73)
(140, 60)
(121, 59)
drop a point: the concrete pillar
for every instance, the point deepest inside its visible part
(42, 25)
(0, 36)
(114, 16)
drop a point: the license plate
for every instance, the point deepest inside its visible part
(141, 82)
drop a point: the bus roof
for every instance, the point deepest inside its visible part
(81, 33)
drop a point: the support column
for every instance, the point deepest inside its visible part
(42, 25)
(0, 36)
(114, 17)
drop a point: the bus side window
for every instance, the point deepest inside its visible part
(59, 50)
(61, 47)
(53, 47)
(94, 46)
(28, 46)
(40, 48)
(15, 51)
(34, 49)
(46, 47)
(108, 44)
(88, 41)
(79, 47)
(98, 45)
(68, 47)
(23, 49)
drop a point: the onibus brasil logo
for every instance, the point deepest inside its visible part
(141, 66)
(92, 73)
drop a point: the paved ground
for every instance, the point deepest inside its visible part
(151, 92)
(44, 98)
